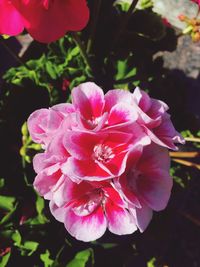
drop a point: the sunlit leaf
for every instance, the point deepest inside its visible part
(81, 258)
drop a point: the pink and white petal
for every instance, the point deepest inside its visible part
(43, 182)
(114, 195)
(120, 221)
(142, 99)
(116, 96)
(78, 170)
(142, 216)
(86, 228)
(11, 20)
(70, 190)
(139, 136)
(88, 98)
(117, 165)
(81, 144)
(64, 109)
(159, 139)
(58, 212)
(155, 189)
(122, 113)
(167, 133)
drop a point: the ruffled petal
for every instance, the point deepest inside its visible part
(86, 228)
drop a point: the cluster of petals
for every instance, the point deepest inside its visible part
(105, 163)
(45, 20)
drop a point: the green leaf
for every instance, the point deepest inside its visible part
(50, 68)
(81, 258)
(16, 237)
(7, 203)
(2, 183)
(31, 246)
(45, 258)
(4, 259)
(151, 262)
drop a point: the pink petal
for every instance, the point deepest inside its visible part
(11, 22)
(143, 217)
(81, 144)
(154, 157)
(64, 109)
(120, 221)
(155, 189)
(122, 113)
(58, 212)
(45, 180)
(88, 99)
(142, 99)
(116, 96)
(84, 170)
(69, 191)
(86, 228)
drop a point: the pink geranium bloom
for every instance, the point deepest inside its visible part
(146, 183)
(99, 156)
(87, 209)
(96, 111)
(44, 123)
(45, 20)
(152, 116)
(48, 166)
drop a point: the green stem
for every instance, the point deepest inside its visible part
(82, 48)
(125, 20)
(93, 23)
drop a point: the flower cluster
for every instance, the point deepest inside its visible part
(45, 20)
(105, 162)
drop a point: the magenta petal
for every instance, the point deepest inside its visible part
(84, 170)
(120, 221)
(154, 157)
(11, 22)
(69, 191)
(81, 144)
(155, 189)
(86, 228)
(122, 113)
(88, 99)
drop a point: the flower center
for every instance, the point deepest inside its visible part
(88, 204)
(103, 153)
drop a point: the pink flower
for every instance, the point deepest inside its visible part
(106, 162)
(146, 183)
(152, 116)
(87, 209)
(45, 20)
(96, 111)
(44, 123)
(48, 165)
(104, 153)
